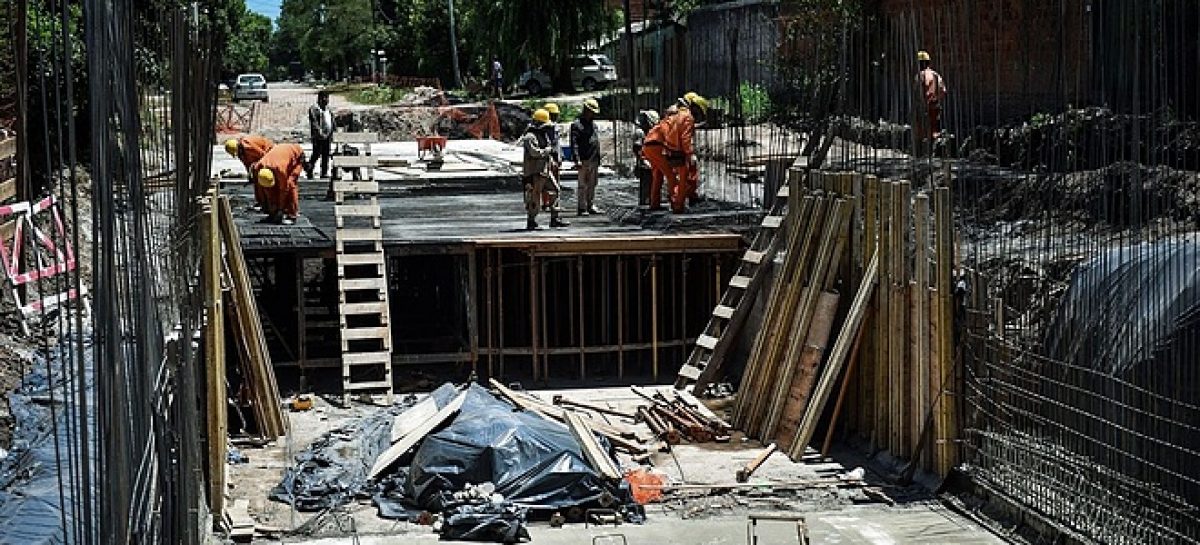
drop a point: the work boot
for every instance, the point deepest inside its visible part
(531, 225)
(594, 211)
(581, 212)
(308, 172)
(288, 220)
(559, 222)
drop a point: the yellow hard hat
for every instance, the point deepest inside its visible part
(551, 107)
(231, 147)
(540, 115)
(698, 101)
(592, 105)
(923, 55)
(266, 178)
(690, 96)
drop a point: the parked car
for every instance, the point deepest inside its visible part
(250, 87)
(588, 72)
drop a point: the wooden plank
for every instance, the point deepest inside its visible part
(350, 284)
(364, 333)
(356, 210)
(262, 372)
(372, 258)
(945, 425)
(356, 138)
(723, 311)
(354, 161)
(689, 372)
(214, 349)
(381, 357)
(919, 292)
(359, 235)
(8, 189)
(414, 416)
(739, 281)
(367, 187)
(837, 357)
(414, 436)
(706, 341)
(595, 454)
(772, 222)
(372, 307)
(805, 377)
(753, 257)
(349, 386)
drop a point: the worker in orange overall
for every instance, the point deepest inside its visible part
(279, 172)
(655, 150)
(250, 149)
(683, 150)
(931, 90)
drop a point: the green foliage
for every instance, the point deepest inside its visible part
(332, 38)
(248, 45)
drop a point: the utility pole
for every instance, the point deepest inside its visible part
(454, 48)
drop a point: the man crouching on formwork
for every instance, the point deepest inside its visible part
(536, 171)
(279, 171)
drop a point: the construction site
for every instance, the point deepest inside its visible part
(883, 319)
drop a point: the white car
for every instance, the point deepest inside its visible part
(250, 87)
(588, 72)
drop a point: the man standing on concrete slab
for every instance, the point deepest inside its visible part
(931, 90)
(656, 152)
(250, 149)
(279, 171)
(585, 149)
(646, 120)
(320, 126)
(536, 175)
(687, 171)
(556, 153)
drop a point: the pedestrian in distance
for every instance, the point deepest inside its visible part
(320, 127)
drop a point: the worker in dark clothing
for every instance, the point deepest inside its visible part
(497, 78)
(320, 126)
(646, 120)
(535, 172)
(585, 149)
(931, 91)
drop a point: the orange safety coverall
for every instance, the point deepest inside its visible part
(286, 161)
(251, 149)
(681, 141)
(654, 150)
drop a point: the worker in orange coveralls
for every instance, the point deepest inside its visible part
(250, 149)
(279, 172)
(931, 90)
(655, 150)
(683, 150)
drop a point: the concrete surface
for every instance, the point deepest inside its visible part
(685, 517)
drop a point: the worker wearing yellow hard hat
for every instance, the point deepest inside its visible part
(250, 149)
(556, 151)
(536, 171)
(585, 150)
(278, 173)
(682, 151)
(931, 89)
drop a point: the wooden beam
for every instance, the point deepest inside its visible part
(595, 454)
(214, 351)
(8, 189)
(549, 246)
(415, 435)
(745, 472)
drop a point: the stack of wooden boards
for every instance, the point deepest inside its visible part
(852, 234)
(241, 310)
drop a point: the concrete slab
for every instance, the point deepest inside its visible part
(833, 515)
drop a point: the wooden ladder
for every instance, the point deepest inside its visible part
(362, 284)
(729, 315)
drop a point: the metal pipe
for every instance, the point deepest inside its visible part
(654, 317)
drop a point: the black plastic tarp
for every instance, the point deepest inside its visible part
(532, 462)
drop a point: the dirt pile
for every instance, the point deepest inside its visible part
(397, 123)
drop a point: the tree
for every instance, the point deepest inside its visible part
(248, 45)
(332, 37)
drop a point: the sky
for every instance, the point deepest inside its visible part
(270, 8)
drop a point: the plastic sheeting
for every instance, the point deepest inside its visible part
(502, 523)
(333, 470)
(532, 461)
(1129, 307)
(34, 486)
